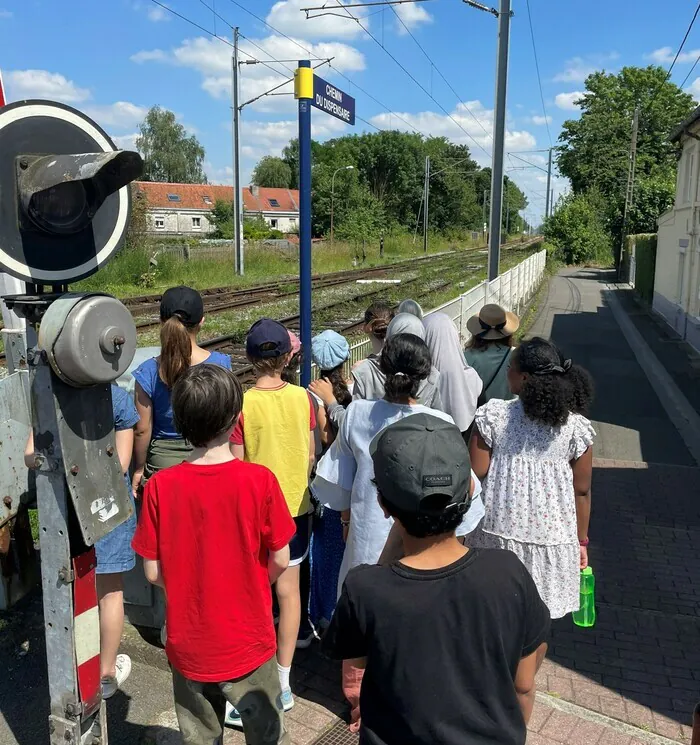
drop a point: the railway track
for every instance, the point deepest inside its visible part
(219, 299)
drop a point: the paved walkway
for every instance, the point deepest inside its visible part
(634, 678)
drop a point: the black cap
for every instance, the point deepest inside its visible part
(183, 302)
(266, 339)
(421, 457)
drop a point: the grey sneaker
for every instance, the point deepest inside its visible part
(111, 684)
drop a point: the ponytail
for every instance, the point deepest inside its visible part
(377, 318)
(175, 350)
(405, 362)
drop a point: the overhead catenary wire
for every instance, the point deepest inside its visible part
(307, 51)
(433, 66)
(685, 38)
(537, 68)
(415, 80)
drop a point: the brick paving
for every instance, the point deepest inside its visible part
(635, 676)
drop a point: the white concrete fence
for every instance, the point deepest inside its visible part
(512, 290)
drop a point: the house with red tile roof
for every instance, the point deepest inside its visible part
(183, 209)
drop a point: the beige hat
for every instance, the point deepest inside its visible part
(493, 322)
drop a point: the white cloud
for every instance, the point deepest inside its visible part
(158, 14)
(44, 84)
(694, 89)
(126, 142)
(5, 13)
(219, 174)
(440, 125)
(339, 24)
(211, 58)
(540, 121)
(577, 69)
(665, 55)
(119, 115)
(412, 16)
(567, 101)
(152, 55)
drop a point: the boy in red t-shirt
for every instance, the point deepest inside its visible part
(214, 532)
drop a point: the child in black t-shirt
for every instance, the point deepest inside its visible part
(451, 637)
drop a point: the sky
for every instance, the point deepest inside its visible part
(426, 66)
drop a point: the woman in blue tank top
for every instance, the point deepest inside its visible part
(157, 443)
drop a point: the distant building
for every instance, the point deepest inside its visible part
(183, 209)
(677, 279)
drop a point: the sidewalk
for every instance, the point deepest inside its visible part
(633, 678)
(640, 664)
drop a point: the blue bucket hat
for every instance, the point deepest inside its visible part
(329, 349)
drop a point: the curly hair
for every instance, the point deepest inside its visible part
(405, 360)
(554, 387)
(442, 521)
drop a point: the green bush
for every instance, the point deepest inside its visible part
(645, 263)
(578, 230)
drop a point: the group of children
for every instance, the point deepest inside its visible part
(367, 478)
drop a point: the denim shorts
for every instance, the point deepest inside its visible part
(114, 552)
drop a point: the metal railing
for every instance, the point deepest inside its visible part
(511, 290)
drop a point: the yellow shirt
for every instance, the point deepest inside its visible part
(275, 427)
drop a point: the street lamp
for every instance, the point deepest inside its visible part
(342, 168)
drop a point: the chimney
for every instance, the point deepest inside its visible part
(255, 190)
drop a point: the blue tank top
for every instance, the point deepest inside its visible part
(146, 375)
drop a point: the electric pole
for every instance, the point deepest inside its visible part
(237, 196)
(629, 193)
(549, 184)
(499, 133)
(426, 198)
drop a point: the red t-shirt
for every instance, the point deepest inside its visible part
(211, 527)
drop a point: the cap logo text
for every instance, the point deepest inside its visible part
(436, 480)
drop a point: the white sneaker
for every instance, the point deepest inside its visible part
(111, 684)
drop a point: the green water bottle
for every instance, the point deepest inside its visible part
(585, 615)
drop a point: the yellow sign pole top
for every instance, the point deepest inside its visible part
(303, 82)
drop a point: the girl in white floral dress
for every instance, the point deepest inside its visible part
(534, 455)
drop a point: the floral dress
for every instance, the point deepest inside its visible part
(529, 497)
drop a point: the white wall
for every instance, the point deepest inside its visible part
(180, 222)
(677, 278)
(187, 222)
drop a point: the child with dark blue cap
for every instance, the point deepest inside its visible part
(276, 429)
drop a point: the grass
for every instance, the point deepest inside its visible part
(131, 272)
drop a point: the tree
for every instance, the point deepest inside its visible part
(594, 153)
(221, 216)
(169, 154)
(578, 229)
(272, 172)
(363, 216)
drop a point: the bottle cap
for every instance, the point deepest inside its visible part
(587, 572)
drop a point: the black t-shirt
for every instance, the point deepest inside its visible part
(442, 648)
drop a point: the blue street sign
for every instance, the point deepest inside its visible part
(333, 101)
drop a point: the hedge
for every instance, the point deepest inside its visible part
(644, 246)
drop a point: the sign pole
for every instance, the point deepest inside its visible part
(303, 92)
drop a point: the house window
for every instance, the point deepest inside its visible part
(159, 223)
(206, 199)
(196, 223)
(273, 224)
(273, 203)
(173, 197)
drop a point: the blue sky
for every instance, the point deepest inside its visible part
(116, 59)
